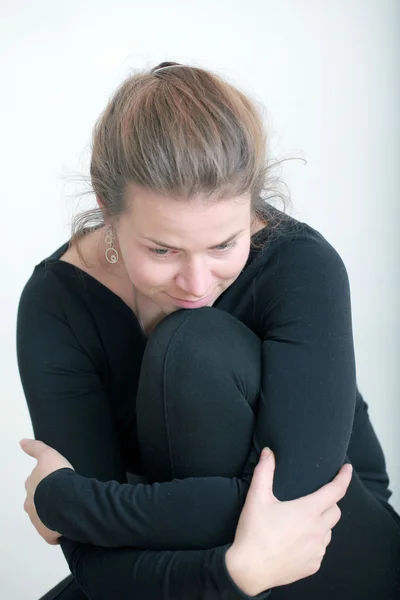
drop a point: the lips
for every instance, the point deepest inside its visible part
(190, 304)
(190, 301)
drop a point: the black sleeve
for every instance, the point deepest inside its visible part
(311, 412)
(70, 412)
(307, 401)
(157, 516)
(127, 573)
(366, 454)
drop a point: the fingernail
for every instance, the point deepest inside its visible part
(265, 453)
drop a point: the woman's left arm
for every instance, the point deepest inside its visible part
(308, 393)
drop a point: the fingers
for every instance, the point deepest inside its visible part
(328, 537)
(263, 476)
(331, 517)
(33, 447)
(333, 491)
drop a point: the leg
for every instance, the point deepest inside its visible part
(198, 388)
(200, 379)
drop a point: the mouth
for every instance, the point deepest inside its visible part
(192, 304)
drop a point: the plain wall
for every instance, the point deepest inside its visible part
(327, 73)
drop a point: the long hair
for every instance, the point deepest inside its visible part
(181, 131)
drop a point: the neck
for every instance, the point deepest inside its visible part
(148, 319)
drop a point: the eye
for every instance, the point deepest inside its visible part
(225, 247)
(163, 252)
(158, 251)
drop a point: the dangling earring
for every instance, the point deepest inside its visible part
(111, 253)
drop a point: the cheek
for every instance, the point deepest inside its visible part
(231, 269)
(240, 258)
(150, 274)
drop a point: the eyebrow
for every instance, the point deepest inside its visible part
(160, 243)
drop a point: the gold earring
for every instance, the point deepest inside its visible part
(111, 253)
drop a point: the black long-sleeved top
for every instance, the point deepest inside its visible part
(79, 354)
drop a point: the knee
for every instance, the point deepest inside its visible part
(206, 336)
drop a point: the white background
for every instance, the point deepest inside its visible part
(327, 72)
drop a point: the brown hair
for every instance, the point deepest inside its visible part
(179, 130)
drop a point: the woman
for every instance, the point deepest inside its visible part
(192, 326)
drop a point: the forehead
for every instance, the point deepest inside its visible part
(150, 213)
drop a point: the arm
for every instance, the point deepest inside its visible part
(307, 401)
(126, 573)
(310, 408)
(156, 516)
(69, 411)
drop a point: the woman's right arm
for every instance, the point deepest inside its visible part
(126, 573)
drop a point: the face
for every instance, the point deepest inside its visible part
(182, 254)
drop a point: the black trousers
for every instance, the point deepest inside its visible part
(206, 428)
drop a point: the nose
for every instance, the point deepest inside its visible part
(195, 279)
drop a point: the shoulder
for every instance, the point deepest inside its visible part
(54, 324)
(54, 290)
(47, 286)
(62, 274)
(298, 251)
(301, 279)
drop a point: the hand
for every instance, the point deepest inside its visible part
(277, 543)
(48, 461)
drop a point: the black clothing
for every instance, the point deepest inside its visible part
(80, 353)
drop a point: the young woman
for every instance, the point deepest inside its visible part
(192, 325)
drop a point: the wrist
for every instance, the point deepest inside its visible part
(241, 573)
(43, 497)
